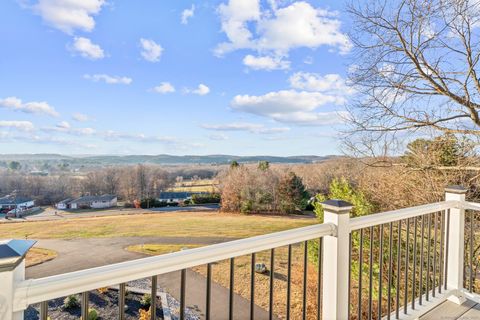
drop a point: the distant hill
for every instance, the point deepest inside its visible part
(162, 159)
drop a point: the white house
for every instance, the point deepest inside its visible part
(93, 202)
(64, 204)
(8, 203)
(171, 197)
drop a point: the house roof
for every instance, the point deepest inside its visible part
(105, 197)
(9, 200)
(174, 195)
(65, 201)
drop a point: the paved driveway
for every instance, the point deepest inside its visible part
(78, 254)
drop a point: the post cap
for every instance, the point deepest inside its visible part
(337, 206)
(12, 252)
(457, 189)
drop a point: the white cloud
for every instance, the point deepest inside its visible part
(299, 105)
(86, 48)
(245, 126)
(290, 106)
(80, 117)
(63, 125)
(201, 90)
(171, 142)
(57, 141)
(316, 82)
(275, 31)
(69, 15)
(187, 14)
(151, 51)
(108, 79)
(19, 125)
(85, 131)
(218, 137)
(66, 128)
(234, 18)
(16, 104)
(164, 87)
(265, 62)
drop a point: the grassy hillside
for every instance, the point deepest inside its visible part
(184, 224)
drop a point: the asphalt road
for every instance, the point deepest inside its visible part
(52, 214)
(78, 254)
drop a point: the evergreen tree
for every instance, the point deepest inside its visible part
(292, 194)
(264, 165)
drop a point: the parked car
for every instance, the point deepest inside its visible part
(13, 213)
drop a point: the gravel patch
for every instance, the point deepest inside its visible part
(174, 305)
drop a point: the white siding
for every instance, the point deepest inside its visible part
(104, 204)
(61, 206)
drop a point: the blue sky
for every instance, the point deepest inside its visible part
(242, 77)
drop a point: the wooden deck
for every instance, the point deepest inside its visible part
(450, 311)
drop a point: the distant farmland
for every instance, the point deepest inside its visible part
(202, 185)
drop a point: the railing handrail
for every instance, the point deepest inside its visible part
(34, 291)
(400, 214)
(469, 205)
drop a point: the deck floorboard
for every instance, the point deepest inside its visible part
(452, 311)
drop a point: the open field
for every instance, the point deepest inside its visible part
(177, 224)
(205, 185)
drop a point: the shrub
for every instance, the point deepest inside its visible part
(203, 198)
(154, 203)
(102, 290)
(92, 314)
(146, 300)
(343, 190)
(71, 302)
(128, 205)
(144, 314)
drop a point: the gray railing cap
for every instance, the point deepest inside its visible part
(12, 252)
(456, 189)
(337, 205)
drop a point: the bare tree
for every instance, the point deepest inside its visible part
(111, 179)
(415, 70)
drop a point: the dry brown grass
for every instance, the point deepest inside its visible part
(39, 255)
(221, 274)
(177, 224)
(157, 249)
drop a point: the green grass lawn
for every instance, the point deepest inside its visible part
(178, 224)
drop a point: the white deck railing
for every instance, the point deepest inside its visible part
(16, 293)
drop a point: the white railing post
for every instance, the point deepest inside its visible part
(456, 243)
(12, 271)
(335, 261)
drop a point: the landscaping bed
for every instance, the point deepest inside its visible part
(104, 302)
